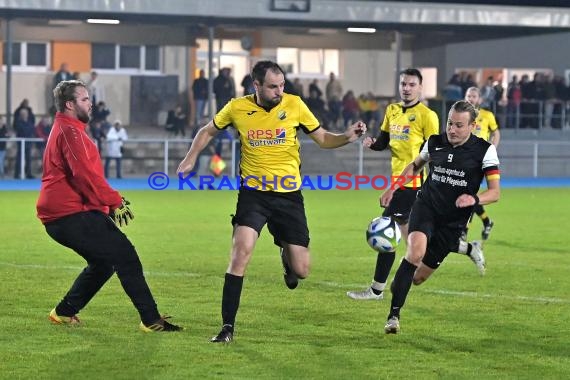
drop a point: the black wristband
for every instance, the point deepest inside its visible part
(476, 199)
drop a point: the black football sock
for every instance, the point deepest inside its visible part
(230, 298)
(401, 286)
(479, 210)
(384, 263)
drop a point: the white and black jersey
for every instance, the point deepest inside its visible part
(454, 171)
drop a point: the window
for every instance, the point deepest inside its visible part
(309, 62)
(36, 54)
(103, 56)
(16, 53)
(130, 57)
(28, 56)
(125, 58)
(151, 58)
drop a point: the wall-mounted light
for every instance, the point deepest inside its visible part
(361, 30)
(102, 21)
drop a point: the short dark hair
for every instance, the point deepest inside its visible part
(260, 69)
(64, 92)
(465, 106)
(413, 73)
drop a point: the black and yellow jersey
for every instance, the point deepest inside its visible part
(455, 171)
(485, 124)
(409, 128)
(270, 159)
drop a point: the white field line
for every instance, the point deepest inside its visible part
(77, 269)
(455, 293)
(322, 283)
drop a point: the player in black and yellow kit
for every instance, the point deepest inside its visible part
(406, 127)
(267, 123)
(458, 162)
(488, 129)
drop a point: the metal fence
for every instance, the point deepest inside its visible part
(519, 158)
(531, 114)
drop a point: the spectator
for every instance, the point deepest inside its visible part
(96, 88)
(453, 92)
(43, 129)
(224, 88)
(466, 81)
(561, 97)
(527, 97)
(100, 114)
(289, 87)
(25, 129)
(317, 106)
(200, 93)
(499, 102)
(97, 134)
(314, 86)
(62, 74)
(247, 85)
(298, 86)
(369, 108)
(350, 109)
(499, 89)
(550, 99)
(539, 96)
(488, 95)
(176, 121)
(24, 105)
(3, 135)
(513, 103)
(116, 136)
(334, 98)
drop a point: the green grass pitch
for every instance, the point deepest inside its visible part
(512, 323)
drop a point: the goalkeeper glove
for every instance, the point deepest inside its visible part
(122, 214)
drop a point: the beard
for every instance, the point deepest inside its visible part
(270, 102)
(83, 116)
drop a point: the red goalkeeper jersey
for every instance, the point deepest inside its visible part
(73, 179)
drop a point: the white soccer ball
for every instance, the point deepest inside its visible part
(383, 234)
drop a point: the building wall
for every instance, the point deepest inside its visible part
(31, 86)
(37, 87)
(372, 70)
(364, 66)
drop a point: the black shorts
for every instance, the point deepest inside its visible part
(284, 214)
(442, 237)
(401, 205)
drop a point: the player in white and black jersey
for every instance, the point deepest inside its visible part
(458, 161)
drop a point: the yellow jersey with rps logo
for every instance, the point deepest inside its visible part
(486, 124)
(409, 128)
(270, 159)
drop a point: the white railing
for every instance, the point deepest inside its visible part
(519, 158)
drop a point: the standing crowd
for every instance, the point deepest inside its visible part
(109, 138)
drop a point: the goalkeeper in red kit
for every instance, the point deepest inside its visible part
(81, 211)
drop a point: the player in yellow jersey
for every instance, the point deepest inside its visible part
(267, 123)
(406, 126)
(488, 129)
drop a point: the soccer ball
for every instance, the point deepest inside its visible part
(383, 234)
